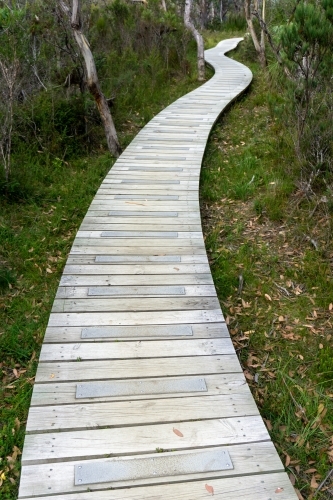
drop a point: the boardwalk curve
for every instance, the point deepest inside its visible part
(139, 393)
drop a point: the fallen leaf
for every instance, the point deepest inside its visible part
(292, 479)
(330, 307)
(321, 408)
(299, 495)
(313, 484)
(52, 375)
(210, 489)
(287, 460)
(248, 375)
(268, 424)
(48, 270)
(178, 433)
(268, 297)
(278, 490)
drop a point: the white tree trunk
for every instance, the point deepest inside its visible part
(260, 47)
(198, 38)
(203, 14)
(92, 78)
(10, 72)
(263, 17)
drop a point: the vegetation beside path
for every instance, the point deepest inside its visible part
(270, 249)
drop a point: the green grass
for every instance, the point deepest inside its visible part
(281, 321)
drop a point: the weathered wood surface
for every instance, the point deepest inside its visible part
(136, 326)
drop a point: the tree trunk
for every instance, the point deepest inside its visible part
(92, 78)
(198, 38)
(163, 5)
(263, 16)
(203, 14)
(260, 49)
(10, 75)
(212, 14)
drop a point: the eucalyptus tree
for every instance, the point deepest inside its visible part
(12, 71)
(74, 16)
(259, 42)
(198, 38)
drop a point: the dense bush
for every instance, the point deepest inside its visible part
(47, 113)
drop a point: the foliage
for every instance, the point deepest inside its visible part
(306, 44)
(49, 113)
(301, 35)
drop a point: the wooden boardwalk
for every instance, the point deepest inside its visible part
(139, 393)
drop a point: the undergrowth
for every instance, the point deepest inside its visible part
(270, 250)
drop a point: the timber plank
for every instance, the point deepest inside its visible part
(64, 393)
(140, 349)
(257, 458)
(138, 291)
(122, 226)
(96, 443)
(164, 235)
(136, 368)
(125, 413)
(135, 279)
(94, 258)
(252, 487)
(134, 304)
(161, 268)
(142, 242)
(105, 334)
(135, 318)
(102, 249)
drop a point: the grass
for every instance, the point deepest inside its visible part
(271, 259)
